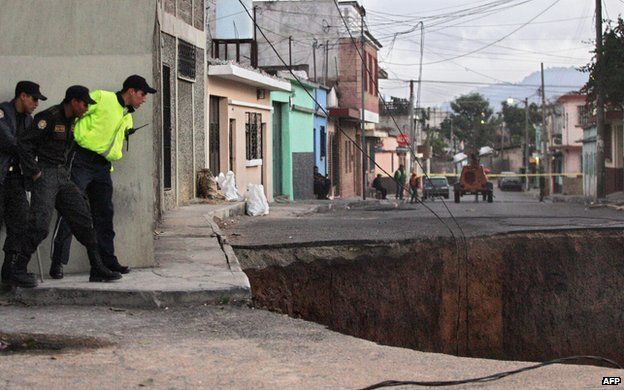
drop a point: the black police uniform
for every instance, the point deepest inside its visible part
(13, 201)
(49, 138)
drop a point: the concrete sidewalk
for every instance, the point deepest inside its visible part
(193, 264)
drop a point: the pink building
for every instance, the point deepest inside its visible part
(570, 115)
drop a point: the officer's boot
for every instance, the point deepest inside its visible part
(56, 269)
(19, 276)
(7, 269)
(115, 266)
(99, 273)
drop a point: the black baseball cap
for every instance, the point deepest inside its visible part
(137, 82)
(78, 92)
(29, 88)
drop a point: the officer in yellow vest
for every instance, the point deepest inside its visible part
(99, 137)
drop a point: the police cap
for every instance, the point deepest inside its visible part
(78, 92)
(137, 82)
(29, 88)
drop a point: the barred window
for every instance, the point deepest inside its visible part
(186, 60)
(253, 135)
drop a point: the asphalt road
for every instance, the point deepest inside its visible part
(344, 221)
(207, 347)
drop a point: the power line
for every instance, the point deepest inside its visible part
(500, 39)
(483, 83)
(426, 175)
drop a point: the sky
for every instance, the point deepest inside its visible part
(519, 35)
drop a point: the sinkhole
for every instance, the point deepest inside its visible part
(519, 296)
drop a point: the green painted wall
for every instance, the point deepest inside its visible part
(297, 130)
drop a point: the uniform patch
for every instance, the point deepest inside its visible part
(1, 114)
(42, 124)
(59, 128)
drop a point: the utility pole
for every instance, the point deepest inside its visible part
(362, 130)
(545, 157)
(412, 128)
(526, 144)
(314, 57)
(600, 126)
(327, 63)
(290, 52)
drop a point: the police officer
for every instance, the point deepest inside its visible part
(15, 118)
(99, 137)
(48, 139)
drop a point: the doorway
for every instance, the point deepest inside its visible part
(277, 149)
(214, 143)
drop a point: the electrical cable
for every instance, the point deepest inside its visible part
(500, 39)
(327, 114)
(461, 230)
(490, 378)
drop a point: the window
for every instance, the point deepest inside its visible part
(376, 74)
(582, 115)
(323, 141)
(186, 60)
(166, 140)
(253, 135)
(371, 159)
(371, 69)
(608, 153)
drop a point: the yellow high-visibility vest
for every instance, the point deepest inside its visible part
(103, 127)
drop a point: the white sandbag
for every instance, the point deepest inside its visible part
(220, 179)
(256, 202)
(229, 187)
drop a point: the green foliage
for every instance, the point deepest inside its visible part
(472, 121)
(514, 117)
(609, 73)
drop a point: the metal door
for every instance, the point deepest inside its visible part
(213, 148)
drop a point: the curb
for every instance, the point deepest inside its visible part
(230, 286)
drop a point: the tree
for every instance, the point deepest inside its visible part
(514, 117)
(472, 121)
(608, 75)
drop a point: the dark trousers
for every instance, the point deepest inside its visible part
(52, 191)
(414, 194)
(384, 192)
(91, 174)
(13, 211)
(399, 190)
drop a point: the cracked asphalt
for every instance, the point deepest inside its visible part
(236, 348)
(342, 221)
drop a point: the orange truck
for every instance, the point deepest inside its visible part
(473, 180)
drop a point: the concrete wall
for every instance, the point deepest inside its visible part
(301, 128)
(387, 158)
(188, 101)
(287, 18)
(236, 100)
(97, 44)
(350, 85)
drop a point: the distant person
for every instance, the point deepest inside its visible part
(379, 186)
(400, 177)
(542, 185)
(321, 185)
(414, 183)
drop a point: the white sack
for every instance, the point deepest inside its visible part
(229, 187)
(255, 200)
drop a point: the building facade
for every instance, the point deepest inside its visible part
(98, 44)
(240, 120)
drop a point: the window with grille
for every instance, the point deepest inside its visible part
(323, 141)
(186, 60)
(253, 135)
(166, 140)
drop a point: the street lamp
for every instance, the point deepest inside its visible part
(510, 101)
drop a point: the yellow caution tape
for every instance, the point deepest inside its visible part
(515, 174)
